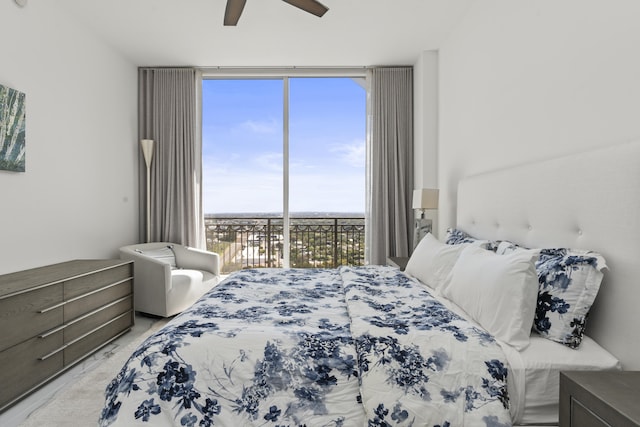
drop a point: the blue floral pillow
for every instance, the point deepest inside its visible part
(456, 236)
(569, 281)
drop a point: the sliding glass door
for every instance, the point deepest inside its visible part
(284, 171)
(326, 171)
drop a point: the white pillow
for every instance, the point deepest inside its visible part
(164, 254)
(497, 291)
(432, 261)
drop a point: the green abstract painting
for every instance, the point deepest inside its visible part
(12, 129)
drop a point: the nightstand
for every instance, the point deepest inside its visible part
(599, 399)
(398, 261)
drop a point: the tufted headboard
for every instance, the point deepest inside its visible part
(589, 200)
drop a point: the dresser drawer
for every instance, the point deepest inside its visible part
(25, 315)
(97, 318)
(88, 303)
(86, 284)
(87, 345)
(22, 367)
(583, 417)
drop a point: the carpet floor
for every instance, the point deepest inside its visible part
(80, 403)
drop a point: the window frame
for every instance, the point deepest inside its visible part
(284, 74)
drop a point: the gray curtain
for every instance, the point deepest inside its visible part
(390, 185)
(168, 114)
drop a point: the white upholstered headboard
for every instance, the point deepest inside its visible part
(590, 200)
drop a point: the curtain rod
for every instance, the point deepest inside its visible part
(284, 71)
(255, 71)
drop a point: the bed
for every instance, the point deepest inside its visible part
(375, 346)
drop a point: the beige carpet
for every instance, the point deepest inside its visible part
(80, 403)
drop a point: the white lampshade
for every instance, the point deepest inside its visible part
(147, 150)
(426, 198)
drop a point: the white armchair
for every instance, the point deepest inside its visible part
(168, 278)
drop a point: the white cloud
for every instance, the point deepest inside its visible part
(353, 154)
(262, 126)
(268, 162)
(313, 192)
(255, 184)
(236, 190)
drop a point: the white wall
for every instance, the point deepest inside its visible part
(425, 133)
(525, 80)
(78, 196)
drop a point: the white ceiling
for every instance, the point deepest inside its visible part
(270, 32)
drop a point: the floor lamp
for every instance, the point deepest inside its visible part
(147, 151)
(426, 198)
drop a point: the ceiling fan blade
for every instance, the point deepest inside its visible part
(311, 6)
(233, 11)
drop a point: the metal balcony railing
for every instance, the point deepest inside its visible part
(324, 242)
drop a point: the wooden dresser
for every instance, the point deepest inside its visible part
(52, 317)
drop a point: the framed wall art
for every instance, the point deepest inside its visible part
(12, 129)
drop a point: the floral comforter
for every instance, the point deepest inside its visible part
(353, 346)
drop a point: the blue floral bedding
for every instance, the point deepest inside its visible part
(353, 346)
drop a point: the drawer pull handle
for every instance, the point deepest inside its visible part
(95, 291)
(54, 352)
(58, 350)
(53, 307)
(52, 331)
(99, 309)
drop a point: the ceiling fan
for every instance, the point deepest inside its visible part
(234, 9)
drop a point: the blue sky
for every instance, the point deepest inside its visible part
(242, 145)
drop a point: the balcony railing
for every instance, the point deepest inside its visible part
(259, 242)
